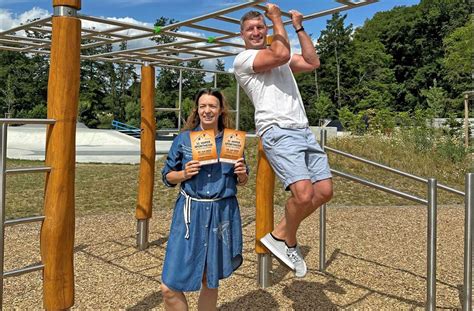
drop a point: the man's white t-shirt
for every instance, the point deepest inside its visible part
(274, 93)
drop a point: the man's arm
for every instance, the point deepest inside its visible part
(308, 60)
(279, 51)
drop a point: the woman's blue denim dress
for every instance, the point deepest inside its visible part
(214, 245)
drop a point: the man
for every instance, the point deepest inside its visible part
(266, 75)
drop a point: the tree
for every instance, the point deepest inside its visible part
(223, 80)
(322, 108)
(459, 49)
(436, 99)
(332, 44)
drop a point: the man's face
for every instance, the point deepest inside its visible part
(254, 33)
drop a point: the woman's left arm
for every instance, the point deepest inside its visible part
(240, 169)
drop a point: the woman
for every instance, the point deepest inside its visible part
(205, 240)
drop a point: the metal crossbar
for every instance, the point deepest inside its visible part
(209, 42)
(18, 221)
(431, 203)
(390, 169)
(28, 269)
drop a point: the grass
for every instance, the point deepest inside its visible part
(109, 188)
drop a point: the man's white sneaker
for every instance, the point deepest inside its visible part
(294, 254)
(278, 249)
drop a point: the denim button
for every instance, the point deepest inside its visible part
(208, 175)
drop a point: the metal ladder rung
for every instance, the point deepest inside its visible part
(26, 121)
(28, 170)
(13, 222)
(167, 109)
(27, 269)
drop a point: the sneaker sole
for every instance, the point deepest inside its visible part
(275, 253)
(302, 276)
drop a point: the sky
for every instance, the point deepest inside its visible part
(145, 12)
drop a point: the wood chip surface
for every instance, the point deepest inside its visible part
(376, 259)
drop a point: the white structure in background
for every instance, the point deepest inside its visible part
(28, 142)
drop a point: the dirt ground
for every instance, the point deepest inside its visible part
(376, 259)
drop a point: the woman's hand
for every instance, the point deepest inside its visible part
(241, 171)
(190, 169)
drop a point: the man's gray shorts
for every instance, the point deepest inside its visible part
(294, 155)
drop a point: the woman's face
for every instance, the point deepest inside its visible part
(209, 111)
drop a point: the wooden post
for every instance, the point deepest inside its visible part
(466, 120)
(147, 144)
(57, 232)
(264, 196)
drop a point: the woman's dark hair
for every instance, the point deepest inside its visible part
(223, 121)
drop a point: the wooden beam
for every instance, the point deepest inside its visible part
(264, 196)
(147, 144)
(72, 3)
(57, 232)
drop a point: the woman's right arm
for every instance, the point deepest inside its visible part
(190, 169)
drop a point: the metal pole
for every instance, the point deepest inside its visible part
(3, 165)
(142, 233)
(264, 270)
(322, 218)
(237, 107)
(180, 97)
(431, 246)
(466, 120)
(468, 237)
(215, 80)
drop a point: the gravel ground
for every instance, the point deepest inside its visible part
(376, 260)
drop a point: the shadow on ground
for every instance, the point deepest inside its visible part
(255, 300)
(148, 303)
(317, 299)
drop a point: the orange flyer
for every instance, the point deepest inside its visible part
(233, 145)
(203, 144)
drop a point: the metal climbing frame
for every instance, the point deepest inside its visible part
(3, 174)
(212, 42)
(431, 203)
(180, 97)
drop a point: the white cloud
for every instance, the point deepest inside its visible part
(10, 2)
(9, 20)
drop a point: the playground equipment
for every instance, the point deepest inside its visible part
(64, 48)
(264, 220)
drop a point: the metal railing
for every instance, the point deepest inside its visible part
(3, 174)
(431, 203)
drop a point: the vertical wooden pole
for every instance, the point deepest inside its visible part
(264, 196)
(57, 233)
(147, 144)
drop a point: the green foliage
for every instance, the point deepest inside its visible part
(382, 121)
(356, 123)
(436, 98)
(459, 47)
(164, 124)
(223, 80)
(321, 109)
(187, 107)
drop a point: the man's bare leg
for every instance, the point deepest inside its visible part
(305, 199)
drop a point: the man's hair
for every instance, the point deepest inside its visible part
(251, 15)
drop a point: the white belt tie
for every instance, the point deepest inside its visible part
(187, 209)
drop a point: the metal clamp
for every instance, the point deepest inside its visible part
(63, 10)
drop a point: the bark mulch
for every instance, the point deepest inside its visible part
(376, 260)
